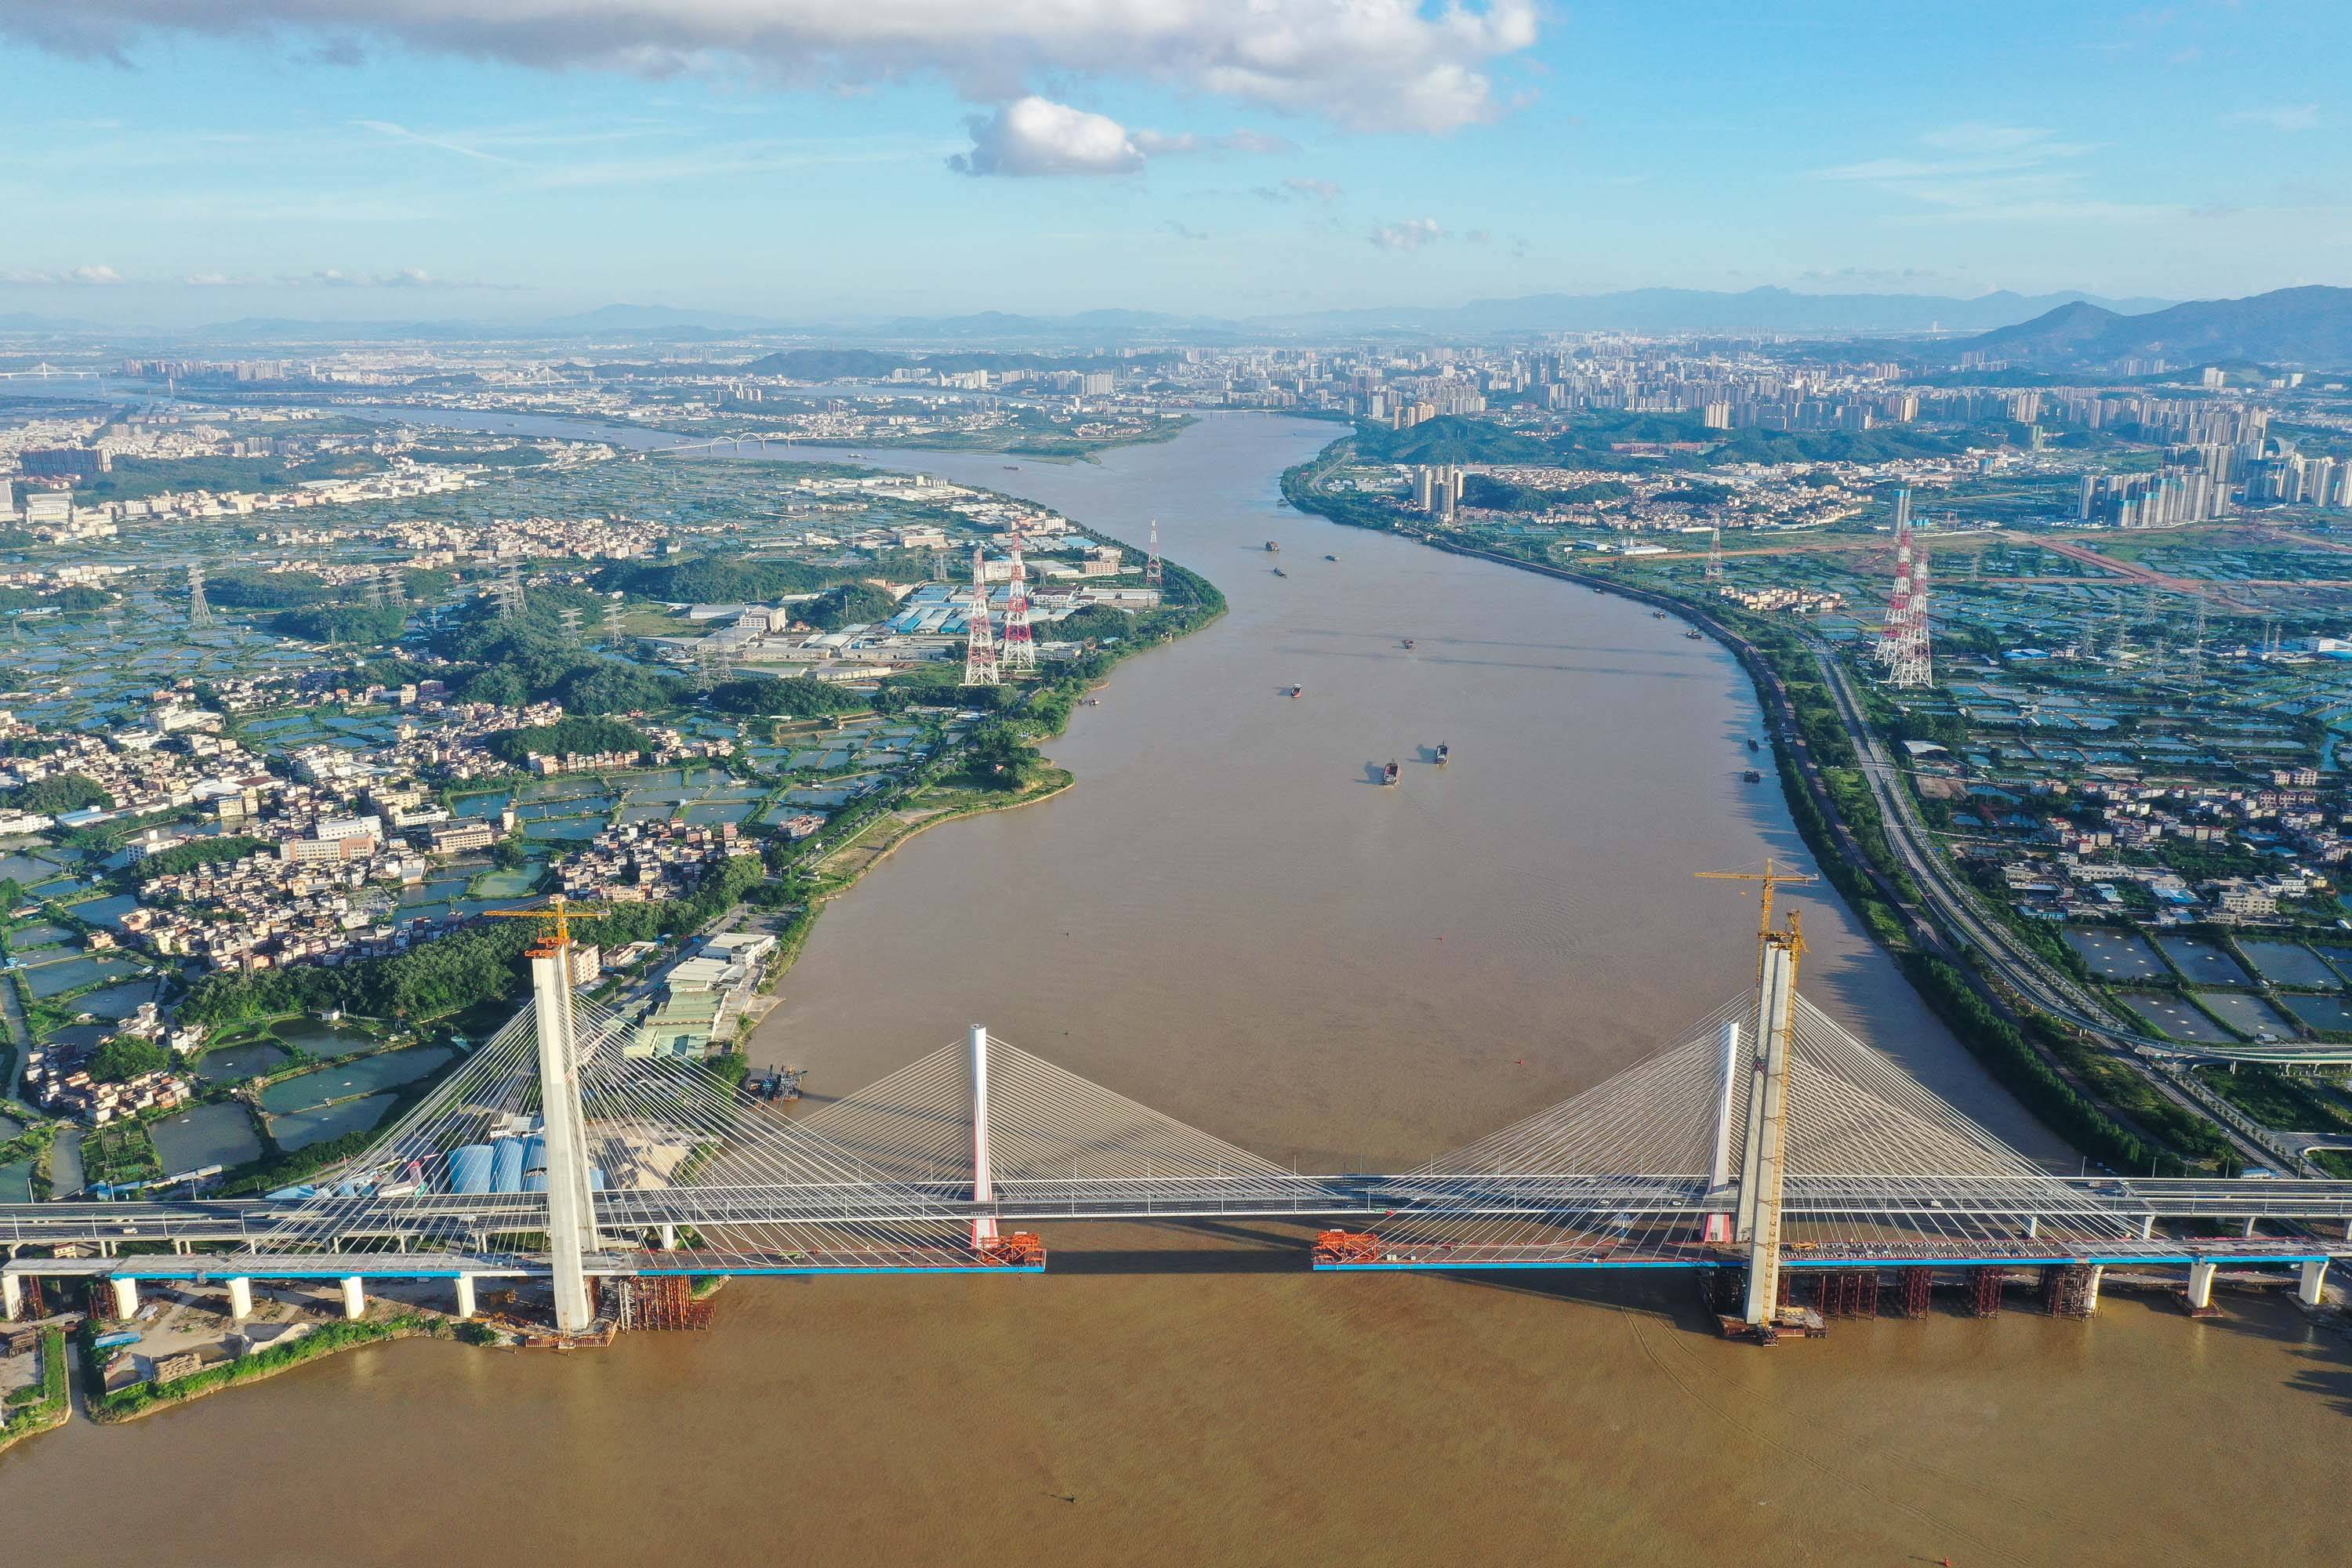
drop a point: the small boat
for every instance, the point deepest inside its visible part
(1012, 467)
(1389, 775)
(1408, 642)
(1657, 615)
(1696, 635)
(1444, 753)
(1752, 776)
(1295, 692)
(1752, 745)
(1272, 548)
(1330, 558)
(1280, 573)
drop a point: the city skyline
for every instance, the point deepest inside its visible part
(804, 165)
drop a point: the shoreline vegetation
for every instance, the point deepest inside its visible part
(142, 1399)
(2084, 1098)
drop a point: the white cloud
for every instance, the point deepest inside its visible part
(1038, 136)
(1035, 135)
(1410, 234)
(1370, 63)
(64, 277)
(1301, 190)
(1976, 166)
(2278, 117)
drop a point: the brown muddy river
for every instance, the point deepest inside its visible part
(1227, 919)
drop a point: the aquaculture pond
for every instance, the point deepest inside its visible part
(65, 974)
(16, 1182)
(108, 912)
(2287, 962)
(233, 1064)
(2329, 1015)
(2173, 1015)
(321, 1039)
(2202, 960)
(119, 1001)
(2246, 1013)
(365, 1075)
(300, 1129)
(2116, 955)
(24, 939)
(204, 1135)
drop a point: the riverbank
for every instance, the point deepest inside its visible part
(52, 1403)
(2074, 1090)
(144, 1399)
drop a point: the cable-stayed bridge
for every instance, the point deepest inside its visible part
(1769, 1140)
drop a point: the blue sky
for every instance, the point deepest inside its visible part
(824, 159)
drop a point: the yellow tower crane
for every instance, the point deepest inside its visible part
(559, 912)
(1774, 877)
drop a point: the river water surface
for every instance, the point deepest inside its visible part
(1228, 920)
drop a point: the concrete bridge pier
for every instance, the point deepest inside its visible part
(354, 1296)
(12, 1297)
(465, 1295)
(240, 1297)
(2248, 1232)
(2200, 1284)
(126, 1295)
(2147, 1226)
(669, 1238)
(2308, 1288)
(180, 1246)
(2090, 1292)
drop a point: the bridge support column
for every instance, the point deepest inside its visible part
(571, 1211)
(1768, 1122)
(2249, 1231)
(2091, 1291)
(354, 1296)
(126, 1295)
(2201, 1285)
(669, 1238)
(12, 1297)
(983, 1180)
(2032, 1225)
(2147, 1226)
(2309, 1289)
(465, 1296)
(240, 1297)
(180, 1246)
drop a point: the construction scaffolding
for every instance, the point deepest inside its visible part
(2066, 1290)
(655, 1303)
(1984, 1288)
(1846, 1292)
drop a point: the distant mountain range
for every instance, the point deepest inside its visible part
(1756, 311)
(2301, 327)
(1768, 311)
(2305, 327)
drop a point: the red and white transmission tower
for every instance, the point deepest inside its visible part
(1151, 573)
(1715, 555)
(1020, 651)
(1909, 664)
(979, 645)
(1898, 607)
